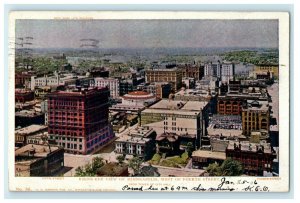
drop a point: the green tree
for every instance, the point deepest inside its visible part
(120, 159)
(214, 169)
(135, 164)
(189, 148)
(90, 169)
(229, 167)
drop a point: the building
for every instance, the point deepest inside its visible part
(137, 141)
(21, 135)
(159, 89)
(255, 158)
(99, 72)
(126, 86)
(192, 71)
(227, 72)
(57, 80)
(134, 102)
(231, 103)
(163, 89)
(273, 69)
(188, 83)
(202, 158)
(229, 106)
(22, 79)
(25, 118)
(255, 116)
(213, 69)
(225, 126)
(111, 83)
(138, 98)
(185, 119)
(23, 95)
(38, 160)
(78, 119)
(173, 76)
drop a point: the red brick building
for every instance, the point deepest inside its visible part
(23, 78)
(229, 106)
(255, 157)
(22, 95)
(78, 120)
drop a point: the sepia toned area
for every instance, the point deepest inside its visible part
(154, 98)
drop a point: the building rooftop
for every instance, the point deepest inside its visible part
(28, 113)
(163, 69)
(31, 129)
(33, 150)
(175, 112)
(250, 147)
(77, 92)
(209, 154)
(257, 105)
(193, 92)
(168, 104)
(194, 105)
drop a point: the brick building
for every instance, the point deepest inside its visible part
(192, 71)
(38, 160)
(174, 76)
(23, 95)
(22, 79)
(78, 120)
(255, 116)
(255, 158)
(229, 106)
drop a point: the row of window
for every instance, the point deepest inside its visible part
(70, 146)
(65, 138)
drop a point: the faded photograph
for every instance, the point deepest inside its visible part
(146, 98)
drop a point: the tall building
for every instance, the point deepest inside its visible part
(213, 69)
(255, 116)
(192, 71)
(227, 72)
(78, 120)
(179, 121)
(111, 83)
(173, 75)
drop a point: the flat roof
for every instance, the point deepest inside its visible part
(194, 105)
(209, 154)
(40, 150)
(175, 112)
(167, 104)
(30, 129)
(249, 146)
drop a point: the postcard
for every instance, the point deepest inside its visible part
(148, 101)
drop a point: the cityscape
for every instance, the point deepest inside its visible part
(158, 98)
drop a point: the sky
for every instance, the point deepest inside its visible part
(149, 33)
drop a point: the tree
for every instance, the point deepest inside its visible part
(90, 169)
(135, 164)
(229, 167)
(120, 159)
(189, 148)
(214, 169)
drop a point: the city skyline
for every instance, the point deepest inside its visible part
(148, 33)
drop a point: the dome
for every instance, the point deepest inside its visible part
(138, 93)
